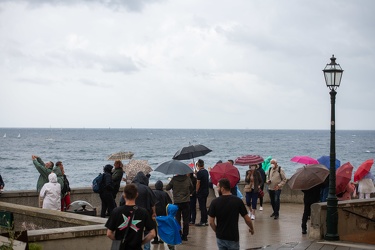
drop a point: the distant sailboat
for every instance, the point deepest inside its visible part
(5, 135)
(19, 136)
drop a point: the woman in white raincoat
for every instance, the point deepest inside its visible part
(51, 193)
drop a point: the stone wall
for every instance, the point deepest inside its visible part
(30, 198)
(356, 220)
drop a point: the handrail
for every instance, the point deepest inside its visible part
(360, 215)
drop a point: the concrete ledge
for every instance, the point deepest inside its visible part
(356, 220)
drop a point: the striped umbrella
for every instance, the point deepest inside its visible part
(248, 160)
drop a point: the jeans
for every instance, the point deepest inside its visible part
(202, 200)
(275, 200)
(251, 199)
(227, 244)
(184, 209)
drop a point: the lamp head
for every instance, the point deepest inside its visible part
(332, 74)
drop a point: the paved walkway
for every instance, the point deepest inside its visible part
(284, 233)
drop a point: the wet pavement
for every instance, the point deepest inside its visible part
(284, 233)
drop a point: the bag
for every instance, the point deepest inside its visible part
(247, 188)
(261, 193)
(116, 245)
(97, 184)
(120, 244)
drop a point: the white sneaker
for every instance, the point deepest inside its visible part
(252, 217)
(261, 209)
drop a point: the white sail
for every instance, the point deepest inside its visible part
(5, 135)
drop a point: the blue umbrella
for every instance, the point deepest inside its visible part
(325, 160)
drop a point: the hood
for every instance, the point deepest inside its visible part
(159, 185)
(172, 210)
(140, 178)
(108, 168)
(180, 178)
(57, 171)
(52, 177)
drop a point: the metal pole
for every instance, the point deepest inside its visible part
(332, 216)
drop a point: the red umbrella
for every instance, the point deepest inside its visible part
(363, 169)
(304, 159)
(225, 170)
(343, 177)
(247, 160)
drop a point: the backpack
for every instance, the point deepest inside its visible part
(269, 171)
(97, 184)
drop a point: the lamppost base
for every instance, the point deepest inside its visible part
(332, 237)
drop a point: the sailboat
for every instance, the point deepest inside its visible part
(19, 136)
(5, 135)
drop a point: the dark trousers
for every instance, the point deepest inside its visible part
(275, 200)
(108, 203)
(202, 201)
(184, 210)
(306, 214)
(261, 198)
(193, 208)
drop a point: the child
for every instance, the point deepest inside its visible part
(169, 228)
(163, 199)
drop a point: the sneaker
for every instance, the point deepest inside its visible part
(304, 232)
(200, 224)
(276, 217)
(252, 217)
(191, 223)
(184, 238)
(206, 224)
(261, 209)
(155, 242)
(272, 215)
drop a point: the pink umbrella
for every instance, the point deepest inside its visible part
(304, 159)
(247, 160)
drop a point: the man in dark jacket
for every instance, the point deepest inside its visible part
(182, 188)
(108, 203)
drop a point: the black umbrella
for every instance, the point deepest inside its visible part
(191, 152)
(174, 167)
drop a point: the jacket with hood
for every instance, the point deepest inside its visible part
(162, 199)
(107, 178)
(43, 171)
(182, 188)
(168, 227)
(146, 197)
(51, 193)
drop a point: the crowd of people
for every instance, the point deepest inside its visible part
(139, 207)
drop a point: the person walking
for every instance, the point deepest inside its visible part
(276, 179)
(253, 182)
(226, 210)
(106, 196)
(182, 188)
(310, 196)
(65, 191)
(118, 222)
(202, 190)
(2, 184)
(162, 200)
(117, 177)
(51, 193)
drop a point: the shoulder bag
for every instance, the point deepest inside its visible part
(119, 244)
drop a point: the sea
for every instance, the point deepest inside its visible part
(84, 151)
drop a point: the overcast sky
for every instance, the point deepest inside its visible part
(185, 64)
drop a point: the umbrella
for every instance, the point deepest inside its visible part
(304, 159)
(174, 167)
(267, 163)
(247, 160)
(343, 177)
(326, 161)
(225, 170)
(191, 152)
(363, 169)
(120, 156)
(308, 176)
(134, 166)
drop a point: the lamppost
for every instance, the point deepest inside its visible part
(332, 75)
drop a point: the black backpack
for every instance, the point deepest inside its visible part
(97, 184)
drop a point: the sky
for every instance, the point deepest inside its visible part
(213, 64)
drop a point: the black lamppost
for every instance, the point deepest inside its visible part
(332, 75)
